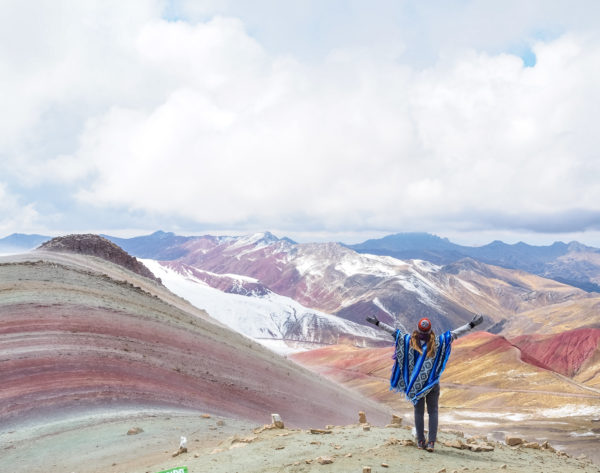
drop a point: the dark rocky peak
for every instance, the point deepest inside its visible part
(95, 245)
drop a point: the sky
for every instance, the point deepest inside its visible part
(317, 120)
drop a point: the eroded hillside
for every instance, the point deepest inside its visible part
(78, 333)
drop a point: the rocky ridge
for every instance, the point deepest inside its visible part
(95, 245)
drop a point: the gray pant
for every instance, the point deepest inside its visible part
(431, 398)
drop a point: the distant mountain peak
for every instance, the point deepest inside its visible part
(264, 238)
(20, 242)
(162, 234)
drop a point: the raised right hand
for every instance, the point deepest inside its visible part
(373, 320)
(476, 320)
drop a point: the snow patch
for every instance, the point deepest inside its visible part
(270, 316)
(469, 287)
(281, 346)
(421, 287)
(571, 410)
(584, 434)
(378, 303)
(514, 416)
(426, 266)
(450, 419)
(369, 265)
(313, 266)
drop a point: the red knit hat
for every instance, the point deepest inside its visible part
(424, 325)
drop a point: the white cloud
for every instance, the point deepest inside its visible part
(15, 215)
(214, 125)
(65, 61)
(351, 142)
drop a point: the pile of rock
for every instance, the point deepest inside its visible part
(512, 441)
(475, 444)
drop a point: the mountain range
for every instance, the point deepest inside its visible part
(571, 263)
(295, 289)
(85, 321)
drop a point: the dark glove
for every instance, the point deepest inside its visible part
(476, 320)
(373, 320)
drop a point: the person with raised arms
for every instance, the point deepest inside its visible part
(419, 360)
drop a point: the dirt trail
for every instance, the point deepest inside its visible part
(575, 383)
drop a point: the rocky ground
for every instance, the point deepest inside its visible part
(141, 442)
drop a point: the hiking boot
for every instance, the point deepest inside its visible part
(421, 444)
(429, 446)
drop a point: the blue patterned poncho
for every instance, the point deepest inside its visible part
(413, 373)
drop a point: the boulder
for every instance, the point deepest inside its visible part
(456, 443)
(135, 431)
(547, 446)
(276, 421)
(362, 418)
(324, 460)
(396, 421)
(513, 441)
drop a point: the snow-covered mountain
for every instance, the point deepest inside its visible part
(334, 279)
(331, 279)
(297, 281)
(247, 306)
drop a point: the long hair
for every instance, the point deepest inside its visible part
(415, 344)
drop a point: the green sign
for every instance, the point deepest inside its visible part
(181, 469)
